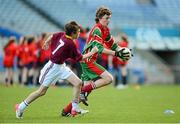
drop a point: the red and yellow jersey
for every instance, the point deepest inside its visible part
(100, 37)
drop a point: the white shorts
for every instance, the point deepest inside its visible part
(52, 72)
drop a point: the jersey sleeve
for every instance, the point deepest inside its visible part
(97, 40)
(110, 42)
(93, 44)
(98, 45)
(56, 35)
(96, 32)
(97, 35)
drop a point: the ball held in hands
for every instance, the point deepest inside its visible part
(124, 53)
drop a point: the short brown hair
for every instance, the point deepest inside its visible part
(71, 28)
(101, 11)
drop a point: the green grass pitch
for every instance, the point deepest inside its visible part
(107, 105)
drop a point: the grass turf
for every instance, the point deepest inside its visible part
(107, 105)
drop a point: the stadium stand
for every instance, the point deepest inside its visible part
(63, 11)
(18, 17)
(125, 14)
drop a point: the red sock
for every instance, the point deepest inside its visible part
(68, 107)
(88, 88)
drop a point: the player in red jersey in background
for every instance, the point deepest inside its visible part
(23, 55)
(94, 75)
(123, 64)
(20, 58)
(62, 47)
(8, 60)
(44, 55)
(32, 59)
(119, 67)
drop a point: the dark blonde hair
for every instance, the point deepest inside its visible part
(101, 11)
(71, 28)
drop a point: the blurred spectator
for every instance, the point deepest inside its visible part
(43, 57)
(119, 67)
(20, 58)
(81, 41)
(43, 54)
(8, 60)
(32, 59)
(23, 54)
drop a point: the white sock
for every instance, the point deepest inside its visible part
(23, 105)
(75, 105)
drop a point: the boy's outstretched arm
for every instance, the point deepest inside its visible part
(93, 51)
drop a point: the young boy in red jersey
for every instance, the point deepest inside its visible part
(62, 47)
(94, 75)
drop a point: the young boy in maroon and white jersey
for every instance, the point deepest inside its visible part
(62, 47)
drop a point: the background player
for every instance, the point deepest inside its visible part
(119, 67)
(8, 60)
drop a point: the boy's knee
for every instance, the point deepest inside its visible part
(41, 92)
(78, 83)
(110, 78)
